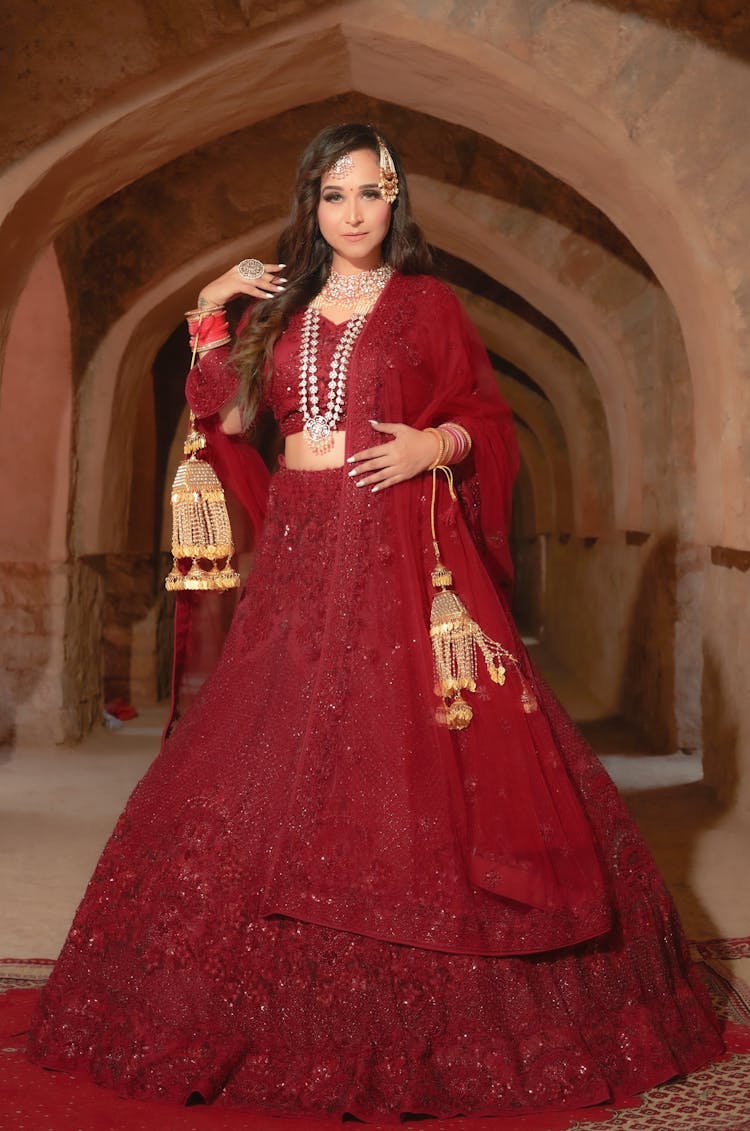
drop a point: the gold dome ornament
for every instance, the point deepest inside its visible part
(201, 532)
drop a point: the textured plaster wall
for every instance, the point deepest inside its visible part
(117, 44)
(609, 613)
(35, 421)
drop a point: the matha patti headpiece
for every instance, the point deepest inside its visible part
(388, 183)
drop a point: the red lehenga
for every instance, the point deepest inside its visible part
(319, 901)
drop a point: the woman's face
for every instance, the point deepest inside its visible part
(352, 215)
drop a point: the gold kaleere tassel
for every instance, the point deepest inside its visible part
(456, 637)
(200, 523)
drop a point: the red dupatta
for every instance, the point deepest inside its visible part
(396, 827)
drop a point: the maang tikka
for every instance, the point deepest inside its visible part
(342, 166)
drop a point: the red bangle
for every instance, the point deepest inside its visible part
(212, 345)
(457, 442)
(208, 325)
(208, 330)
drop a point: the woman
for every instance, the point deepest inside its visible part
(336, 891)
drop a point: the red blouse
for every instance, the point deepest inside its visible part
(283, 395)
(214, 379)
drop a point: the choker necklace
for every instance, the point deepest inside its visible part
(355, 292)
(358, 293)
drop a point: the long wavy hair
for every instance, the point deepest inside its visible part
(307, 256)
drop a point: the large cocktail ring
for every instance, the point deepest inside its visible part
(250, 269)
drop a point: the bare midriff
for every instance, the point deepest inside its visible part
(299, 456)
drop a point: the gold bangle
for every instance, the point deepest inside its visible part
(441, 448)
(213, 345)
(203, 310)
(451, 447)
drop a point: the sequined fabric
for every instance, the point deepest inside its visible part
(213, 381)
(317, 900)
(172, 983)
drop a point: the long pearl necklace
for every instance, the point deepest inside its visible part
(358, 292)
(318, 426)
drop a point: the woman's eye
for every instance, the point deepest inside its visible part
(371, 194)
(332, 197)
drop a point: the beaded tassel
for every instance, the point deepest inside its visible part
(200, 524)
(456, 637)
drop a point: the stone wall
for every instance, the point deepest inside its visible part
(82, 656)
(133, 640)
(625, 613)
(50, 618)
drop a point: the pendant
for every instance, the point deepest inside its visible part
(318, 433)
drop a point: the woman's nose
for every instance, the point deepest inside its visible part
(354, 212)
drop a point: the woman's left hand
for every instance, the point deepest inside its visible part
(406, 455)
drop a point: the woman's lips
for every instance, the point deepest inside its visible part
(354, 236)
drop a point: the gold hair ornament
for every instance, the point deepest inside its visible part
(456, 637)
(388, 183)
(201, 531)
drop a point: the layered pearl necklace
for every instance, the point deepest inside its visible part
(357, 293)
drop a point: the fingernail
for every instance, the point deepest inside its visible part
(374, 422)
(375, 488)
(280, 265)
(354, 471)
(351, 459)
(283, 280)
(281, 288)
(359, 483)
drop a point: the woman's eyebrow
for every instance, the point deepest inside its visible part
(370, 184)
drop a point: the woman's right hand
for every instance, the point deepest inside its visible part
(219, 291)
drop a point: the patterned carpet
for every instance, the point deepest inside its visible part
(716, 1099)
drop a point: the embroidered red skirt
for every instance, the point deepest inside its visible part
(192, 967)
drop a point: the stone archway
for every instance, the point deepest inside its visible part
(603, 161)
(517, 80)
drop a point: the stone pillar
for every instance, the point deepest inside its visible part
(33, 599)
(135, 606)
(726, 676)
(35, 574)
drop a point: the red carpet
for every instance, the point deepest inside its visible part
(32, 1099)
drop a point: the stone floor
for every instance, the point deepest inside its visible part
(57, 807)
